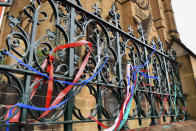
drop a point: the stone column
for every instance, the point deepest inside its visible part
(170, 20)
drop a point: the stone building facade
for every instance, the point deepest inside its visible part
(156, 18)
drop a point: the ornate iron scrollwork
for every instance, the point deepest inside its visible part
(6, 3)
(143, 4)
(69, 22)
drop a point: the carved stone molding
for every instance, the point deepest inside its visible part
(143, 4)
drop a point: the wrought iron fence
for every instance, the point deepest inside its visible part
(31, 42)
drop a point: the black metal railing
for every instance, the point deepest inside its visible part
(32, 38)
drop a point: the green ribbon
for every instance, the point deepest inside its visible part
(128, 108)
(175, 86)
(166, 126)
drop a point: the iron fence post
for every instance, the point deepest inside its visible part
(70, 104)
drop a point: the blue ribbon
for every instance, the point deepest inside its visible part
(7, 122)
(70, 83)
(41, 74)
(128, 106)
(58, 105)
(141, 66)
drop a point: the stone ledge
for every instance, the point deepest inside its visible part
(177, 126)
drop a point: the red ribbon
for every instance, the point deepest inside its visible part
(50, 70)
(165, 101)
(38, 78)
(64, 92)
(98, 122)
(121, 112)
(16, 117)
